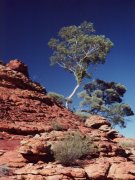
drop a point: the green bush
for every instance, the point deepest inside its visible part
(57, 97)
(72, 147)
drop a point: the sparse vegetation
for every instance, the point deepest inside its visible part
(57, 97)
(4, 170)
(73, 147)
(127, 144)
(82, 115)
(57, 126)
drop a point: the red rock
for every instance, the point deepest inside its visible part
(34, 146)
(17, 65)
(25, 101)
(98, 170)
(105, 147)
(124, 171)
(54, 171)
(12, 159)
(27, 134)
(96, 121)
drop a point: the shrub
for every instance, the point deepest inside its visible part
(57, 126)
(4, 170)
(127, 144)
(82, 115)
(72, 147)
(57, 97)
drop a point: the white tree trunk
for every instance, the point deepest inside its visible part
(71, 95)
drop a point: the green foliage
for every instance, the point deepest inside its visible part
(77, 47)
(73, 147)
(105, 98)
(57, 97)
(118, 113)
(83, 115)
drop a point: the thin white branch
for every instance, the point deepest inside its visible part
(76, 43)
(61, 65)
(79, 64)
(72, 69)
(90, 51)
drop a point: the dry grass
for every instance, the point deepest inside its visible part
(127, 144)
(72, 147)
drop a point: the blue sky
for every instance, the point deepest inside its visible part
(27, 26)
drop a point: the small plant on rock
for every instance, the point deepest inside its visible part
(4, 170)
(127, 144)
(82, 115)
(57, 97)
(72, 147)
(57, 126)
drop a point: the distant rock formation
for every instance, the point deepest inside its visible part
(27, 135)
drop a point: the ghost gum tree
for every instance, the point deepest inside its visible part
(106, 99)
(76, 48)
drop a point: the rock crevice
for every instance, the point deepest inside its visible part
(31, 123)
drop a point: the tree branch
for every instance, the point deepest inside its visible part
(71, 95)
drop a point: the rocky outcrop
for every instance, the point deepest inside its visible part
(25, 107)
(31, 124)
(19, 66)
(129, 145)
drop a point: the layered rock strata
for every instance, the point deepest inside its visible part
(28, 132)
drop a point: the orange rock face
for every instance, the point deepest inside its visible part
(25, 108)
(18, 66)
(28, 132)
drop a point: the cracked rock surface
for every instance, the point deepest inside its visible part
(27, 135)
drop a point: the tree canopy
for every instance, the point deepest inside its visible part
(76, 48)
(106, 98)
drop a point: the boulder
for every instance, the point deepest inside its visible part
(97, 170)
(123, 170)
(96, 122)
